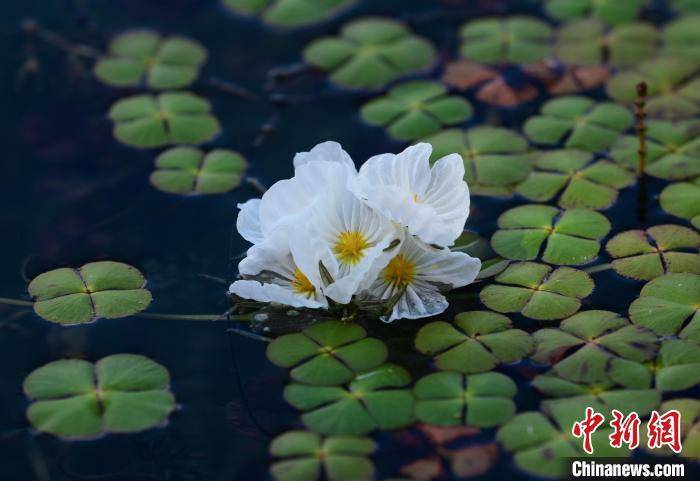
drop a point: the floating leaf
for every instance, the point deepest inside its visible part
(589, 42)
(98, 289)
(416, 109)
(578, 122)
(611, 11)
(328, 353)
(476, 341)
(144, 57)
(682, 199)
(582, 183)
(672, 91)
(123, 393)
(690, 427)
(537, 291)
(169, 118)
(681, 38)
(370, 53)
(673, 149)
(670, 304)
(569, 237)
(584, 345)
(518, 39)
(186, 170)
(569, 400)
(306, 456)
(544, 446)
(495, 159)
(676, 368)
(644, 255)
(451, 398)
(375, 399)
(567, 79)
(289, 13)
(686, 6)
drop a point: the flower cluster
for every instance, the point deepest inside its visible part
(331, 233)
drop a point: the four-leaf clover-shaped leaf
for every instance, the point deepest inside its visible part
(98, 289)
(682, 199)
(578, 122)
(289, 13)
(583, 347)
(569, 237)
(375, 399)
(495, 159)
(122, 393)
(169, 118)
(518, 39)
(670, 304)
(644, 255)
(144, 57)
(537, 291)
(186, 170)
(370, 53)
(328, 353)
(450, 399)
(474, 342)
(673, 149)
(582, 183)
(307, 456)
(416, 109)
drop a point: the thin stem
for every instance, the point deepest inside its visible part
(52, 38)
(16, 302)
(598, 268)
(196, 317)
(256, 184)
(641, 127)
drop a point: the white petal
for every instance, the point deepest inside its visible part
(420, 300)
(324, 152)
(257, 291)
(248, 221)
(432, 203)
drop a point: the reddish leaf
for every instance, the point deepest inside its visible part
(441, 435)
(472, 461)
(423, 469)
(465, 74)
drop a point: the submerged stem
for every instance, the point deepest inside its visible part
(598, 268)
(641, 127)
(16, 302)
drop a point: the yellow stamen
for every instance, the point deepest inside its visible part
(399, 272)
(349, 249)
(302, 285)
(416, 198)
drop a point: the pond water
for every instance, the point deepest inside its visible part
(72, 194)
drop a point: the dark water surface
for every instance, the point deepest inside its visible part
(71, 194)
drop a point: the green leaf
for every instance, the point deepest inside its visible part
(370, 53)
(495, 159)
(169, 118)
(289, 13)
(416, 109)
(681, 38)
(579, 123)
(474, 342)
(569, 237)
(451, 399)
(121, 393)
(612, 12)
(537, 291)
(690, 427)
(98, 289)
(304, 456)
(673, 150)
(186, 170)
(516, 39)
(588, 42)
(645, 255)
(670, 304)
(682, 199)
(584, 346)
(375, 399)
(329, 353)
(579, 182)
(144, 57)
(672, 92)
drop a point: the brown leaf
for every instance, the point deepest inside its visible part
(465, 74)
(423, 469)
(473, 460)
(441, 435)
(498, 92)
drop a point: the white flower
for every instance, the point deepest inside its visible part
(271, 275)
(421, 271)
(354, 239)
(432, 203)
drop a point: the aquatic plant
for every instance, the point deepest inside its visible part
(288, 13)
